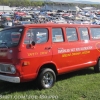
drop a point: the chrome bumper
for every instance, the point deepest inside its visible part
(10, 79)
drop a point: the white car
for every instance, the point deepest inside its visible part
(7, 24)
(98, 17)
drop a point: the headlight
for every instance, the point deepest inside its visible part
(11, 69)
(7, 68)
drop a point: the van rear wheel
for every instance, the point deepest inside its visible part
(46, 78)
(97, 66)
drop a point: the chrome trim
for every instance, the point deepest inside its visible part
(6, 72)
(10, 79)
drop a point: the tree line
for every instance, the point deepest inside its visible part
(40, 3)
(21, 2)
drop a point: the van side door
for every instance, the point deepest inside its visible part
(86, 46)
(73, 45)
(58, 47)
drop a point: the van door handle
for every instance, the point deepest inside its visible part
(48, 48)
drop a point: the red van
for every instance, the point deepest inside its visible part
(43, 51)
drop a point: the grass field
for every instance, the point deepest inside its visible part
(80, 85)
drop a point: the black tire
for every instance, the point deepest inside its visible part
(46, 78)
(97, 66)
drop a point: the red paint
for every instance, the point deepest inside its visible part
(29, 60)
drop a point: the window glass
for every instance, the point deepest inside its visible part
(57, 35)
(84, 34)
(38, 35)
(71, 34)
(10, 37)
(95, 33)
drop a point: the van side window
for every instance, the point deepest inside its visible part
(57, 35)
(71, 34)
(38, 35)
(95, 33)
(84, 34)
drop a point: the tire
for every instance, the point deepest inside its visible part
(46, 78)
(97, 66)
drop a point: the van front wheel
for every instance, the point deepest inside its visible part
(46, 78)
(97, 66)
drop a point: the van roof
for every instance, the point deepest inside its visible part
(58, 25)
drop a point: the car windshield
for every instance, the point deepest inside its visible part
(10, 37)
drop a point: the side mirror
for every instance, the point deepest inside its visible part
(33, 43)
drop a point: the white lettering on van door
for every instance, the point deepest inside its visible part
(62, 50)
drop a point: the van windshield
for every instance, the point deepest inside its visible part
(10, 37)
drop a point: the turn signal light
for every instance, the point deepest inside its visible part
(26, 63)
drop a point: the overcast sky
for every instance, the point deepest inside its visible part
(92, 0)
(78, 0)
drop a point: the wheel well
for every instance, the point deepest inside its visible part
(98, 59)
(49, 65)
